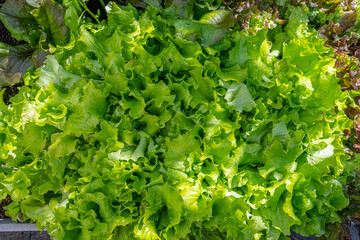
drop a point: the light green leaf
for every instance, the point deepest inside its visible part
(239, 98)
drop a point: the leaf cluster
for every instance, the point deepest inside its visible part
(170, 121)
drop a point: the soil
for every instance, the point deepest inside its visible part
(4, 203)
(11, 91)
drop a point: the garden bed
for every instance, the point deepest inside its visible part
(24, 236)
(20, 231)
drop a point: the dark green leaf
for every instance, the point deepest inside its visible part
(17, 18)
(50, 16)
(15, 60)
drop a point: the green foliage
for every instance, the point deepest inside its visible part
(41, 25)
(153, 125)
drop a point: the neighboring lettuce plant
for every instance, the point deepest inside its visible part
(40, 24)
(171, 123)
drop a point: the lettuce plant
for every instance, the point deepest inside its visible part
(172, 123)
